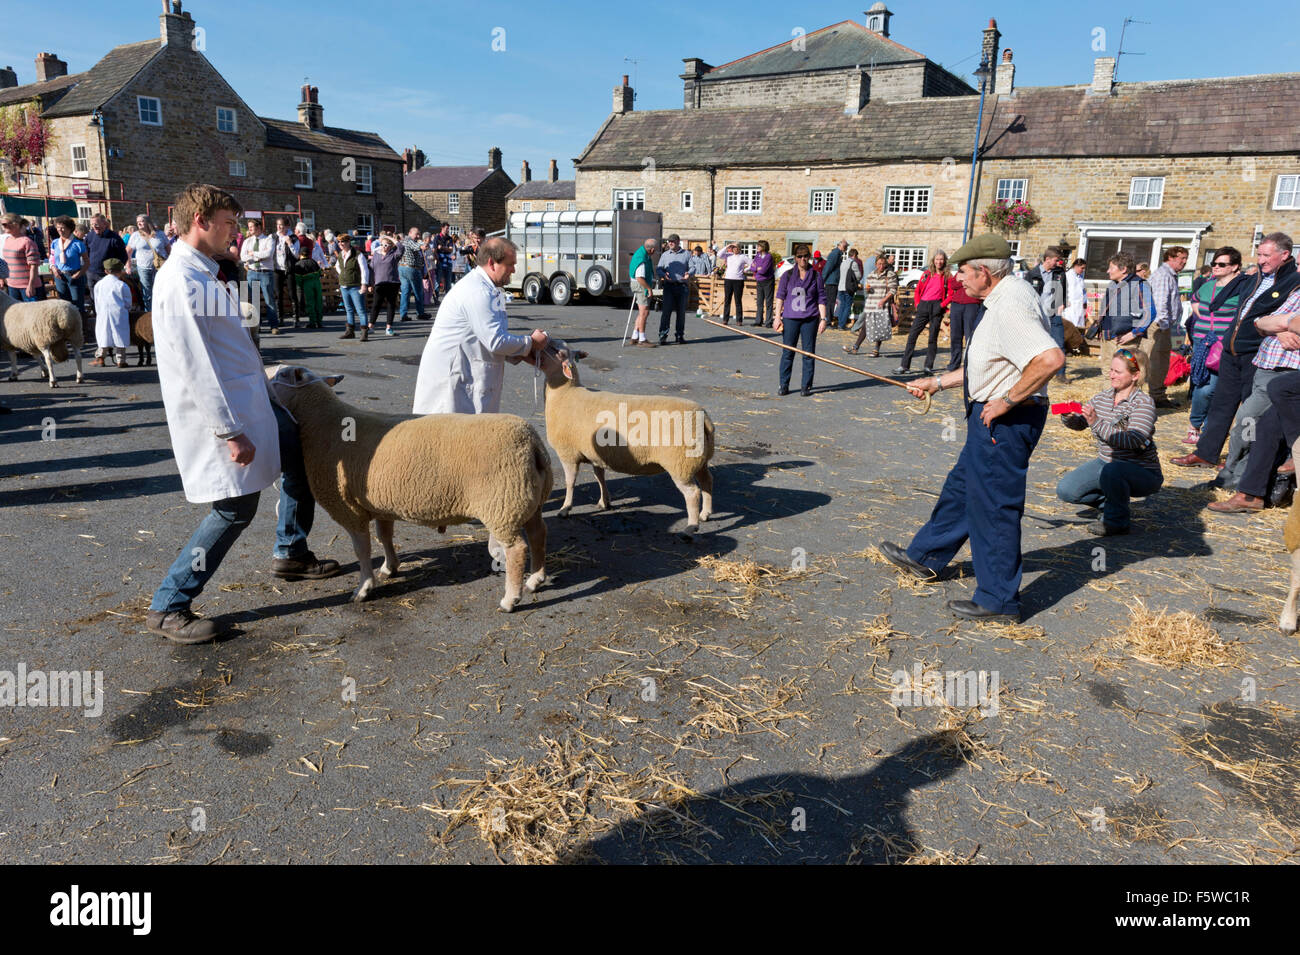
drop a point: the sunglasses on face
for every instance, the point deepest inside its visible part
(1220, 265)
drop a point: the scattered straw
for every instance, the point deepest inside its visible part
(754, 705)
(1179, 639)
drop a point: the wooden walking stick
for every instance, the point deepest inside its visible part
(830, 361)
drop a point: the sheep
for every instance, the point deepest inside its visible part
(1291, 536)
(48, 329)
(630, 434)
(434, 470)
(142, 337)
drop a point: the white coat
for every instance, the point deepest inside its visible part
(463, 366)
(112, 312)
(213, 385)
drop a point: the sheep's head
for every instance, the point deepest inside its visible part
(288, 383)
(560, 363)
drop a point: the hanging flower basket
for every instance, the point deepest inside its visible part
(1008, 216)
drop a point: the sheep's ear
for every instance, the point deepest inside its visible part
(567, 366)
(333, 380)
(580, 356)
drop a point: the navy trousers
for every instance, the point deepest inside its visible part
(983, 500)
(802, 333)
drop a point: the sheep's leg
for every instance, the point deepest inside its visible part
(361, 544)
(76, 354)
(13, 365)
(49, 366)
(385, 531)
(570, 476)
(692, 495)
(604, 491)
(516, 556)
(536, 530)
(705, 480)
(1288, 622)
(497, 551)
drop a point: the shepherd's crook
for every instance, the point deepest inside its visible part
(830, 361)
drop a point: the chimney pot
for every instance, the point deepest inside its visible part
(310, 113)
(49, 66)
(525, 174)
(623, 97)
(494, 158)
(553, 175)
(625, 79)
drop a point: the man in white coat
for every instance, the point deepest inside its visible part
(230, 441)
(463, 366)
(112, 313)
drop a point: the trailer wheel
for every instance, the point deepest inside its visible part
(561, 290)
(534, 289)
(597, 281)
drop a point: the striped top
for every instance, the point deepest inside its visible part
(878, 286)
(1126, 432)
(1212, 323)
(21, 256)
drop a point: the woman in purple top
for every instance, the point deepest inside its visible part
(764, 266)
(800, 317)
(383, 273)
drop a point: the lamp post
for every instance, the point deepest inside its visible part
(984, 72)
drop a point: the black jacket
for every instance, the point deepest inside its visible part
(1056, 276)
(1242, 337)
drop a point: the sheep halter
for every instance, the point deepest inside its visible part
(925, 408)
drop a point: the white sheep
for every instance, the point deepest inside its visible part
(1291, 535)
(434, 470)
(49, 329)
(630, 434)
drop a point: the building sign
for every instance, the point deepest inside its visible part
(81, 189)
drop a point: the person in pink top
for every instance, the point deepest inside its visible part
(932, 290)
(22, 258)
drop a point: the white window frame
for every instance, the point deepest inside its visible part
(308, 219)
(1015, 247)
(550, 207)
(1146, 192)
(85, 164)
(85, 212)
(743, 200)
(453, 203)
(907, 257)
(1012, 190)
(140, 109)
(366, 179)
(299, 169)
(899, 196)
(688, 201)
(238, 169)
(1294, 190)
(365, 223)
(746, 248)
(525, 207)
(234, 119)
(829, 201)
(573, 207)
(629, 199)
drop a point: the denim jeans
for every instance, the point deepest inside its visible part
(444, 277)
(266, 284)
(217, 532)
(1201, 395)
(843, 308)
(354, 305)
(1108, 485)
(72, 290)
(410, 279)
(21, 295)
(146, 277)
(803, 333)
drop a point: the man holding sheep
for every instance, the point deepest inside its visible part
(230, 441)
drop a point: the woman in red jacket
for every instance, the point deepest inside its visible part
(931, 294)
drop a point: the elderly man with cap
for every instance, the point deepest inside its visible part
(1009, 361)
(674, 269)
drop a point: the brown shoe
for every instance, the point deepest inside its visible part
(348, 334)
(1192, 461)
(646, 344)
(1288, 467)
(1237, 504)
(181, 626)
(306, 567)
(365, 334)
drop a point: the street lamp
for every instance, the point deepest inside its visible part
(984, 72)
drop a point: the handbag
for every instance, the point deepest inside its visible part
(1214, 355)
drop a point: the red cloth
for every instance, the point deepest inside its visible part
(1067, 407)
(1179, 369)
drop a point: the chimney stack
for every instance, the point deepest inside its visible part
(48, 66)
(623, 97)
(310, 113)
(857, 91)
(1004, 85)
(1103, 75)
(8, 78)
(176, 26)
(553, 175)
(989, 51)
(525, 174)
(494, 158)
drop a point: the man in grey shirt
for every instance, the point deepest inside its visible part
(673, 269)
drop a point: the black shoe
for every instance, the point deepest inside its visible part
(306, 567)
(782, 392)
(805, 392)
(970, 610)
(900, 370)
(663, 340)
(929, 371)
(424, 316)
(1166, 403)
(681, 341)
(4, 410)
(898, 557)
(1102, 529)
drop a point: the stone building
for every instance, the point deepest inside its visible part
(467, 197)
(842, 133)
(150, 117)
(551, 194)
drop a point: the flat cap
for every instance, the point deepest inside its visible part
(987, 246)
(112, 265)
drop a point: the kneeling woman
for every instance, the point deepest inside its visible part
(1123, 419)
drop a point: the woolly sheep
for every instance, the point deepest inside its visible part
(630, 434)
(49, 329)
(433, 470)
(1291, 535)
(142, 337)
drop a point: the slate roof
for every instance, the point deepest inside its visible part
(50, 91)
(105, 79)
(931, 128)
(439, 178)
(542, 189)
(286, 134)
(839, 46)
(1240, 114)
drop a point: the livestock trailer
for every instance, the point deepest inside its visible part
(589, 251)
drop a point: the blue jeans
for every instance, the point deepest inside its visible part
(21, 295)
(266, 283)
(217, 532)
(72, 290)
(146, 277)
(983, 500)
(1108, 485)
(803, 333)
(1058, 335)
(1201, 395)
(410, 278)
(843, 307)
(354, 305)
(444, 277)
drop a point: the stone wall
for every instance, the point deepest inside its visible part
(481, 208)
(824, 88)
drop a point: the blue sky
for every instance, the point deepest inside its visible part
(427, 74)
